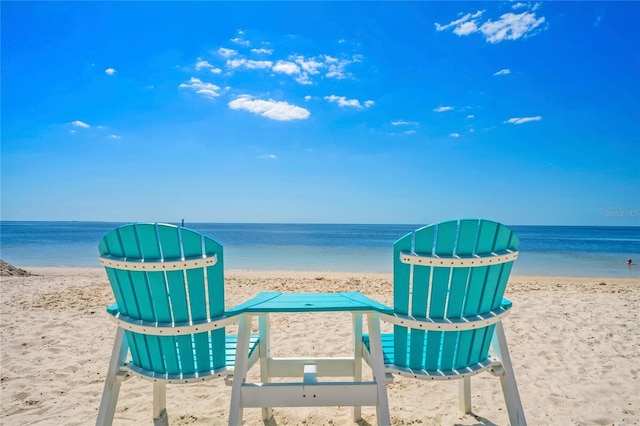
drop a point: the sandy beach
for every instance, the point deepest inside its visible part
(575, 345)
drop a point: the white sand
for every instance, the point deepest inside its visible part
(575, 345)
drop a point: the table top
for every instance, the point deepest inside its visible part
(310, 302)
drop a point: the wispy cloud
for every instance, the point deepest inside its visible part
(503, 71)
(510, 26)
(522, 120)
(249, 64)
(337, 67)
(459, 22)
(262, 51)
(443, 108)
(343, 102)
(275, 110)
(201, 64)
(454, 135)
(208, 90)
(240, 41)
(227, 53)
(269, 157)
(78, 123)
(114, 136)
(404, 123)
(110, 71)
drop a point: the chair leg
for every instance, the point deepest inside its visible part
(159, 400)
(464, 394)
(112, 382)
(508, 379)
(240, 370)
(382, 408)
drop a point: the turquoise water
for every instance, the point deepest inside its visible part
(544, 250)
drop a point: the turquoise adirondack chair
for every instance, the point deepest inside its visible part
(168, 284)
(449, 281)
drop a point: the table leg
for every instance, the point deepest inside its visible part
(357, 358)
(265, 354)
(375, 341)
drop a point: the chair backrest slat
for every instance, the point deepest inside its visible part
(439, 292)
(192, 294)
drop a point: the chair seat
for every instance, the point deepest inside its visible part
(231, 342)
(391, 367)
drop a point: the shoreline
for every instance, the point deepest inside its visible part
(57, 340)
(251, 273)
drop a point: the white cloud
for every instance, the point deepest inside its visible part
(343, 102)
(454, 135)
(202, 64)
(307, 98)
(269, 156)
(510, 26)
(286, 67)
(443, 108)
(336, 67)
(227, 53)
(110, 71)
(78, 123)
(72, 131)
(409, 132)
(521, 120)
(240, 41)
(208, 90)
(466, 28)
(471, 116)
(275, 110)
(404, 123)
(503, 71)
(249, 63)
(466, 18)
(114, 137)
(262, 51)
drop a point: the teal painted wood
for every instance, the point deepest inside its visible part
(172, 296)
(271, 302)
(452, 293)
(423, 244)
(401, 288)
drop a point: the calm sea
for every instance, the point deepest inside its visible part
(544, 250)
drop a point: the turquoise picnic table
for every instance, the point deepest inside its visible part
(345, 386)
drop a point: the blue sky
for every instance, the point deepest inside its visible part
(321, 112)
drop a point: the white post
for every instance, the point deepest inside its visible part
(508, 379)
(112, 382)
(377, 365)
(464, 394)
(159, 399)
(265, 354)
(357, 358)
(240, 369)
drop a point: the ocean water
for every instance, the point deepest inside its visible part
(544, 250)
